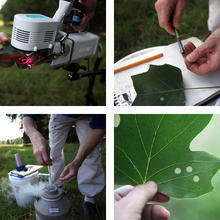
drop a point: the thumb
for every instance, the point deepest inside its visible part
(65, 172)
(197, 53)
(140, 195)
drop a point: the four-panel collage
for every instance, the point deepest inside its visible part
(68, 150)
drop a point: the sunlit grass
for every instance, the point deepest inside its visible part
(13, 212)
(45, 86)
(136, 25)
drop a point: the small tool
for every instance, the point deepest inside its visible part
(182, 50)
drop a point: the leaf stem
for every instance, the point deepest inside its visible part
(151, 148)
(182, 89)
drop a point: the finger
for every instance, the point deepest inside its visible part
(165, 21)
(164, 14)
(189, 47)
(197, 53)
(5, 39)
(139, 196)
(155, 212)
(65, 172)
(201, 69)
(160, 197)
(46, 158)
(70, 179)
(123, 191)
(178, 14)
(116, 197)
(40, 160)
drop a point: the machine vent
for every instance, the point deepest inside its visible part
(21, 35)
(36, 37)
(48, 36)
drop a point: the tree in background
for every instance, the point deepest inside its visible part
(42, 126)
(48, 8)
(12, 7)
(41, 123)
(13, 141)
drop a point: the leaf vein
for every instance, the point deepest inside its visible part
(174, 138)
(127, 175)
(140, 136)
(192, 161)
(131, 162)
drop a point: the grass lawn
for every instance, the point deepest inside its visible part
(136, 25)
(13, 212)
(44, 86)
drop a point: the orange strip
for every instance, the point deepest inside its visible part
(138, 63)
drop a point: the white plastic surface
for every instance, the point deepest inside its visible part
(30, 33)
(32, 178)
(172, 56)
(78, 46)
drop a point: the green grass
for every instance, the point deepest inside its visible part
(13, 212)
(136, 25)
(44, 86)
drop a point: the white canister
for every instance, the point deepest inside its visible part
(19, 185)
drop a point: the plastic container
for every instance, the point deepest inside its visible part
(15, 181)
(18, 183)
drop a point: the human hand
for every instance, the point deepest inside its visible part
(41, 149)
(90, 6)
(130, 203)
(4, 38)
(69, 172)
(5, 60)
(169, 14)
(205, 58)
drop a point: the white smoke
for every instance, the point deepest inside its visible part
(24, 194)
(6, 190)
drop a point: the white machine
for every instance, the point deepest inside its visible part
(41, 38)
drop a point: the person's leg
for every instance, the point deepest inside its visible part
(91, 178)
(59, 127)
(214, 15)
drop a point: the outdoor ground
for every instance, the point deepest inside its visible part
(136, 25)
(44, 86)
(13, 212)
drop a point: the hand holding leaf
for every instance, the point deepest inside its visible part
(156, 148)
(5, 59)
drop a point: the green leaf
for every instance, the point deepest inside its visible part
(161, 85)
(156, 147)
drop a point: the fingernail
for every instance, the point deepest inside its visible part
(166, 212)
(152, 184)
(189, 57)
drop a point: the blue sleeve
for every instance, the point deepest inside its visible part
(34, 117)
(98, 122)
